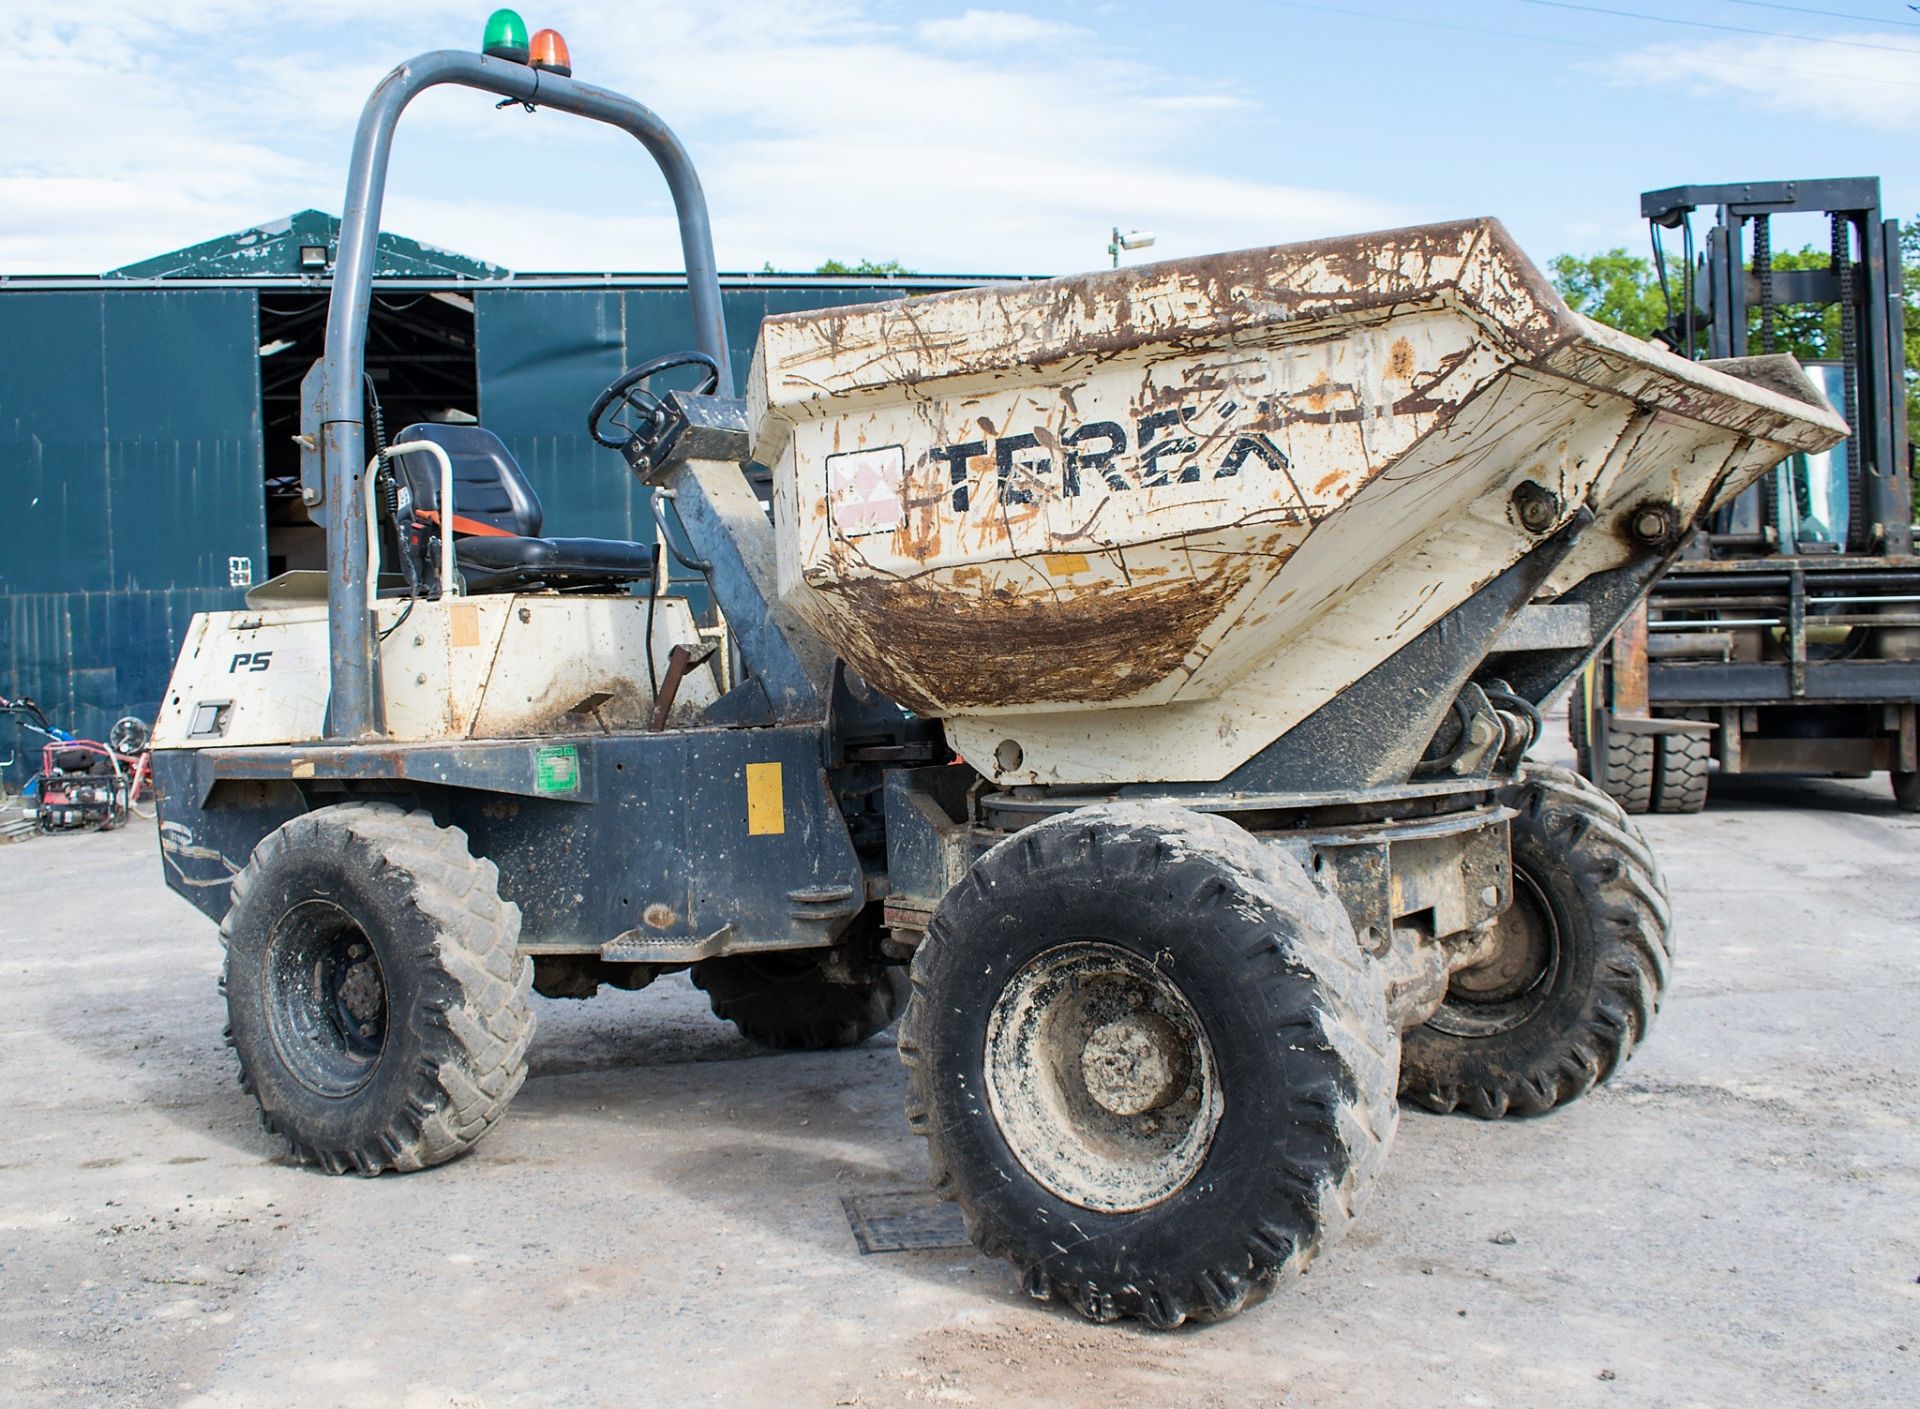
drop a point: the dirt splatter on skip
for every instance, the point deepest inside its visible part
(1092, 646)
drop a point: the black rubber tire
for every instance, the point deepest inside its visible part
(1577, 724)
(455, 1022)
(1626, 773)
(1593, 1001)
(1680, 772)
(1906, 791)
(1294, 1013)
(783, 1000)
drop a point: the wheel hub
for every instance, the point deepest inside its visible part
(1136, 1064)
(1100, 1077)
(326, 998)
(1514, 977)
(1514, 959)
(361, 992)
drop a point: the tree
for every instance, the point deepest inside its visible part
(1623, 291)
(866, 268)
(1615, 288)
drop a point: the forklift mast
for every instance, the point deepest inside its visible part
(1785, 635)
(1862, 277)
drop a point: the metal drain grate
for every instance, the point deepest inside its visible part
(908, 1222)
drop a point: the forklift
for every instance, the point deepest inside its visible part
(1786, 638)
(1127, 689)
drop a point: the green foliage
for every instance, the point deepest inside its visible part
(1615, 288)
(866, 268)
(1623, 291)
(1910, 297)
(1810, 332)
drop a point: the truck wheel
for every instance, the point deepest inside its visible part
(374, 996)
(1906, 791)
(1576, 971)
(1150, 1062)
(783, 1000)
(1680, 776)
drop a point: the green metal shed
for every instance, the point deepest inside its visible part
(147, 463)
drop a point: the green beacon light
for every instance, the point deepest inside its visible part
(505, 37)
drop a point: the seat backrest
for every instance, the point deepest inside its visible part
(491, 495)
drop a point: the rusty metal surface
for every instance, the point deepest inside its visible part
(1136, 525)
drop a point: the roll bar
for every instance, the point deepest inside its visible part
(341, 434)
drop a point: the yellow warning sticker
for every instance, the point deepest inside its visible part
(1064, 564)
(766, 806)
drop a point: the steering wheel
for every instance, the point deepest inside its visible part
(638, 440)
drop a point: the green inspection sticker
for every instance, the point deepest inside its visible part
(557, 769)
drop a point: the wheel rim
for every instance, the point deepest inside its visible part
(1101, 1078)
(326, 998)
(1515, 978)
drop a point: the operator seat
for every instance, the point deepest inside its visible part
(497, 519)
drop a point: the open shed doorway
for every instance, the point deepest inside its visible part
(421, 360)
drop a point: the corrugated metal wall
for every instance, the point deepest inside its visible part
(545, 354)
(130, 459)
(129, 474)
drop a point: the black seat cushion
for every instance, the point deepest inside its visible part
(497, 519)
(489, 564)
(491, 494)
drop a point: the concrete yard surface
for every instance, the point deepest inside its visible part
(660, 1220)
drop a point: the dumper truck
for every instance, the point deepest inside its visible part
(1127, 688)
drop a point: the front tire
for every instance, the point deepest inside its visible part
(1575, 974)
(375, 998)
(1150, 1062)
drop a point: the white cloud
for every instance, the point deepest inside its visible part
(820, 131)
(984, 29)
(1877, 87)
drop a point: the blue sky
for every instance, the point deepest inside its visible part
(952, 137)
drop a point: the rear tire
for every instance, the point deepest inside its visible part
(783, 1000)
(375, 998)
(1150, 1062)
(1577, 972)
(1906, 791)
(1680, 782)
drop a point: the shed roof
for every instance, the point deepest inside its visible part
(273, 248)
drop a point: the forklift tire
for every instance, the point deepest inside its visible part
(783, 1000)
(1906, 791)
(375, 997)
(1151, 1063)
(1577, 971)
(1680, 778)
(1626, 774)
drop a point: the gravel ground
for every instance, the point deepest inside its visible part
(659, 1221)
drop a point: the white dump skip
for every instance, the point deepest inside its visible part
(1140, 523)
